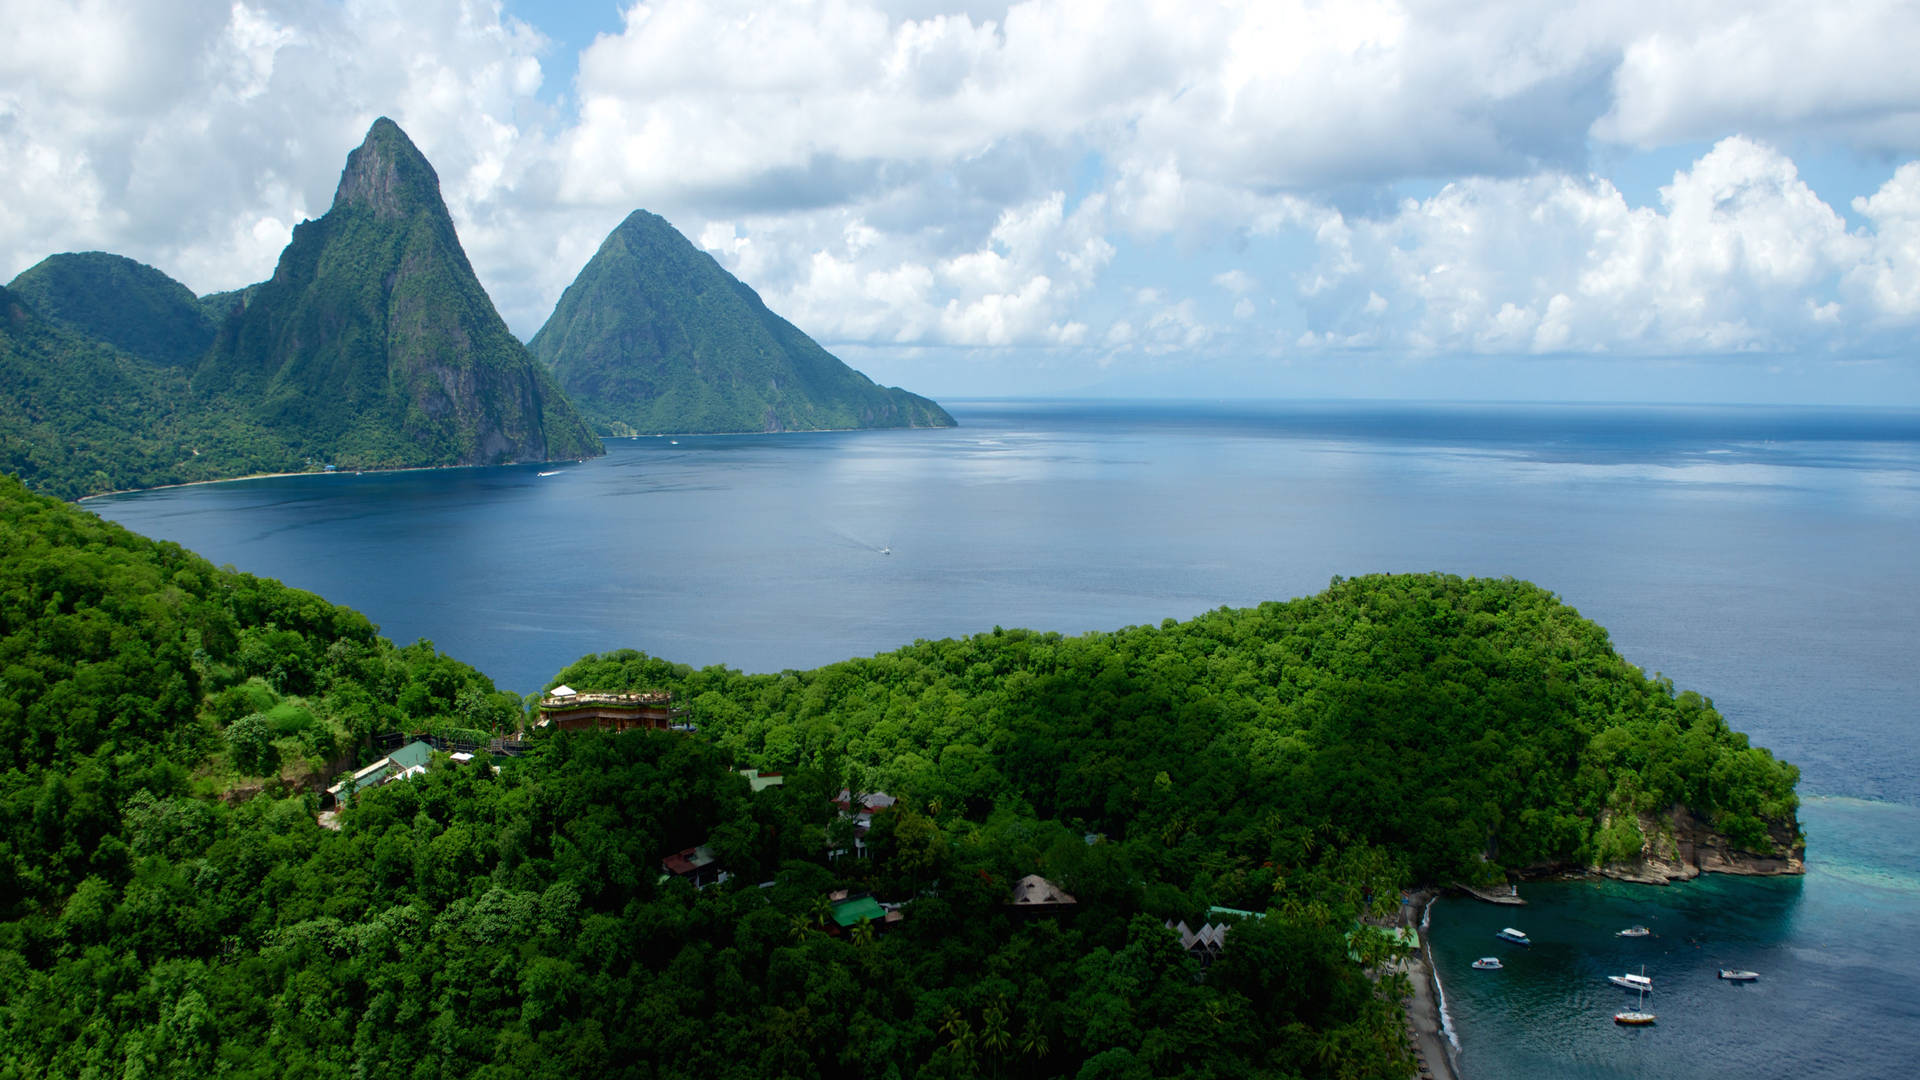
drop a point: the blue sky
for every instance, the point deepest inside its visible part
(1594, 201)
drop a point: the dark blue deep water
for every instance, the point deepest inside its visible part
(1769, 558)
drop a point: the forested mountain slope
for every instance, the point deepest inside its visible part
(170, 906)
(470, 922)
(1470, 726)
(79, 416)
(655, 336)
(128, 305)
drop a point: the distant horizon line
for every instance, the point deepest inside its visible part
(1226, 399)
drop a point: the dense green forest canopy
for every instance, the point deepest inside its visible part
(80, 416)
(170, 905)
(129, 305)
(1469, 725)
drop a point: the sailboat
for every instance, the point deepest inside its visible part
(1636, 1016)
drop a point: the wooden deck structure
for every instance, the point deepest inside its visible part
(570, 710)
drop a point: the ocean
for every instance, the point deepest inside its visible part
(1763, 556)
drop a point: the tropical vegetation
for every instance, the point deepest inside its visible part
(172, 904)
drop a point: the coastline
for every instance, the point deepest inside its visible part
(1433, 1048)
(309, 472)
(432, 468)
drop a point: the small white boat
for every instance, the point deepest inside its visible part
(1488, 963)
(555, 472)
(1515, 936)
(1631, 982)
(1635, 931)
(886, 551)
(1736, 975)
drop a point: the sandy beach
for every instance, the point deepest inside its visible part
(1430, 1046)
(302, 472)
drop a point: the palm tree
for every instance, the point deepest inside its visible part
(994, 1036)
(960, 1040)
(1033, 1041)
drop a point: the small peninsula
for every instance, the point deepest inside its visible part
(655, 337)
(985, 854)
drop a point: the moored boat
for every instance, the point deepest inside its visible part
(1637, 1016)
(1488, 963)
(1635, 931)
(1515, 936)
(1736, 975)
(1631, 982)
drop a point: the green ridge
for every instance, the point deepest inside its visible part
(78, 416)
(126, 304)
(654, 336)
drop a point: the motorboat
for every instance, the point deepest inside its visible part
(1515, 936)
(1635, 931)
(1488, 963)
(1631, 981)
(1735, 975)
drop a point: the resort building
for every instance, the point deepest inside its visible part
(1036, 895)
(850, 911)
(1204, 944)
(861, 815)
(403, 764)
(761, 781)
(697, 865)
(567, 709)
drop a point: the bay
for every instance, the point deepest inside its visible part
(1763, 556)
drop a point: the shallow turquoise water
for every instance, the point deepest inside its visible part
(1835, 953)
(1765, 557)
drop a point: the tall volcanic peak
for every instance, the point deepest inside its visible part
(654, 336)
(374, 345)
(389, 175)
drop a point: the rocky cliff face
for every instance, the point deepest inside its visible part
(388, 177)
(1680, 846)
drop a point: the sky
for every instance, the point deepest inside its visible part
(1612, 201)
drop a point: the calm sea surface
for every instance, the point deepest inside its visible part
(1769, 558)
